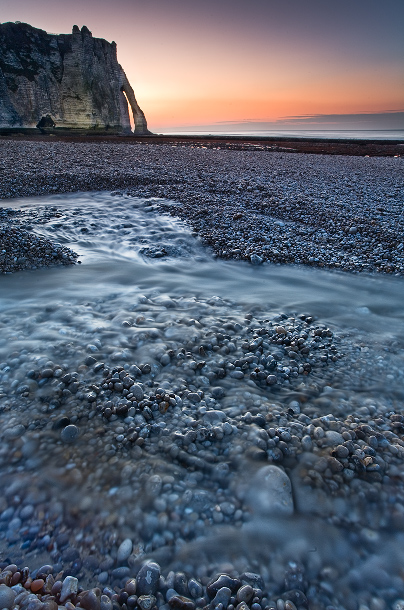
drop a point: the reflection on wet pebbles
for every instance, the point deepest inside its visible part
(161, 431)
(182, 451)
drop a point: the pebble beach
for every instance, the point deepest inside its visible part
(166, 447)
(341, 212)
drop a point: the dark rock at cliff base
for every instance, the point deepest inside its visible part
(63, 81)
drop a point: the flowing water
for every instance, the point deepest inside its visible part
(183, 478)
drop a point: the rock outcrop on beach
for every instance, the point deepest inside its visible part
(63, 81)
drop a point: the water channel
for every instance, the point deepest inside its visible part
(185, 481)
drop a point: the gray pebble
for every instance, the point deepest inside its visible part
(333, 438)
(124, 550)
(222, 597)
(146, 602)
(119, 573)
(69, 588)
(137, 391)
(195, 588)
(14, 432)
(27, 511)
(271, 492)
(307, 443)
(148, 578)
(7, 597)
(69, 434)
(245, 593)
(105, 602)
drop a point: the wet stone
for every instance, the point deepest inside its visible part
(217, 392)
(37, 585)
(181, 602)
(122, 572)
(131, 586)
(105, 603)
(146, 602)
(148, 578)
(245, 593)
(137, 392)
(69, 588)
(250, 578)
(195, 588)
(60, 422)
(271, 492)
(224, 580)
(222, 597)
(334, 438)
(14, 432)
(7, 597)
(69, 434)
(297, 597)
(90, 600)
(124, 550)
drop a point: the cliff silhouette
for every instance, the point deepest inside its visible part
(63, 82)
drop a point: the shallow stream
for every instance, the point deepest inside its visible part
(144, 392)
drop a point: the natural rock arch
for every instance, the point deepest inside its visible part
(63, 82)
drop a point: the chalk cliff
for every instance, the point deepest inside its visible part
(63, 81)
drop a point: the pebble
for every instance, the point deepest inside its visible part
(7, 597)
(148, 578)
(181, 602)
(105, 603)
(245, 594)
(222, 596)
(271, 493)
(69, 434)
(124, 550)
(90, 600)
(69, 588)
(334, 438)
(146, 602)
(137, 392)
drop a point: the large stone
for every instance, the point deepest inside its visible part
(63, 81)
(270, 493)
(69, 588)
(7, 597)
(148, 578)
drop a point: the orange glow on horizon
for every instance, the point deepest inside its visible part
(208, 62)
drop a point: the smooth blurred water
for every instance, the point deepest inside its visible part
(128, 250)
(118, 228)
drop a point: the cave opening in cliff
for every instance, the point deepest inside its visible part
(131, 117)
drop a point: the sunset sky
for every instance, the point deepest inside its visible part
(216, 64)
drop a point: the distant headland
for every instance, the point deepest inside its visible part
(63, 83)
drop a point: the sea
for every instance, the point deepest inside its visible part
(348, 134)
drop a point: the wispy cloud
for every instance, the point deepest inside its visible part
(395, 117)
(390, 119)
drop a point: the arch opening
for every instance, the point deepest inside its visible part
(130, 111)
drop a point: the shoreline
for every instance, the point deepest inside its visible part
(257, 204)
(306, 145)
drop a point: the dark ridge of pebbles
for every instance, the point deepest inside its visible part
(47, 589)
(336, 212)
(20, 249)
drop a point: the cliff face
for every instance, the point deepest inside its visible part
(69, 81)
